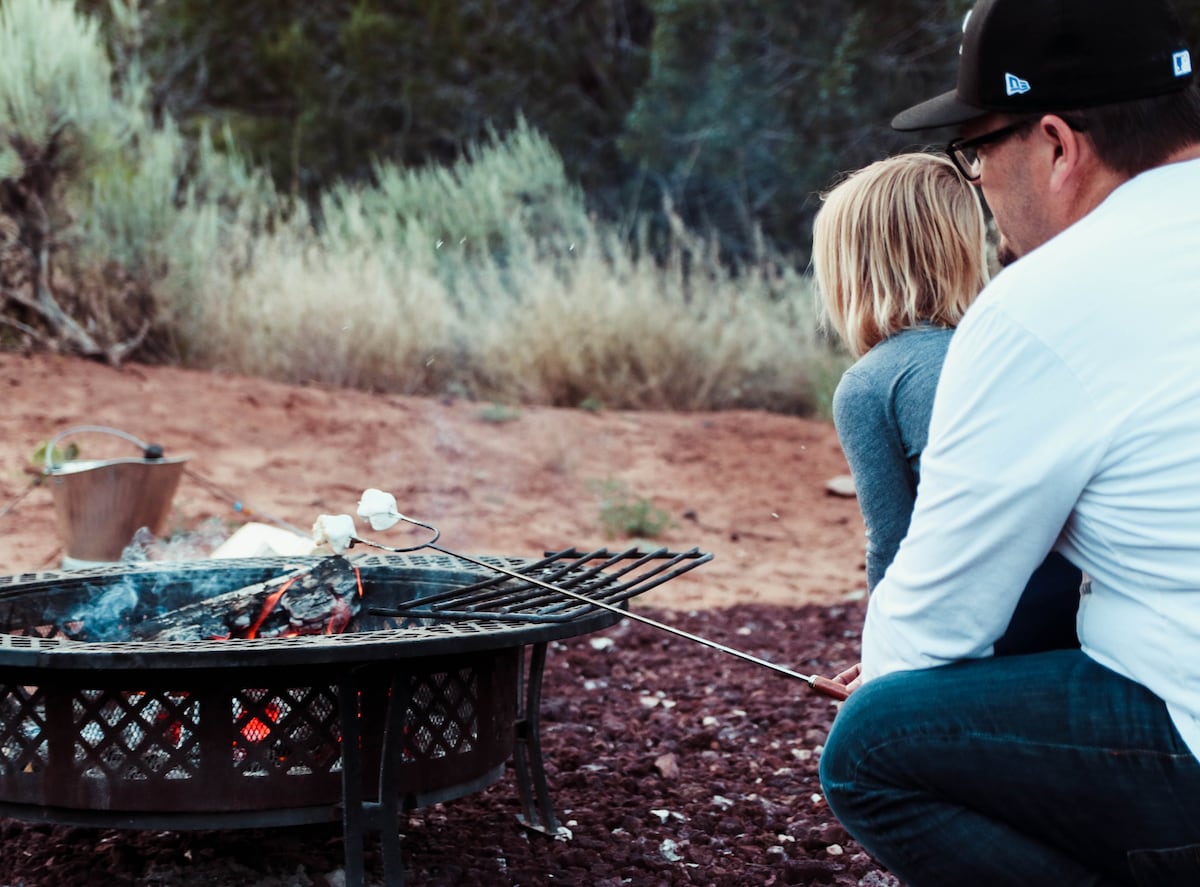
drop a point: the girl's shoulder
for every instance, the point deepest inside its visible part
(914, 345)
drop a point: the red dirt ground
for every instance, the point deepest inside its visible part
(732, 762)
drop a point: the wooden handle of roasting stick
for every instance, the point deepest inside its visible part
(829, 688)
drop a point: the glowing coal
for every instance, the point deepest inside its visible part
(320, 599)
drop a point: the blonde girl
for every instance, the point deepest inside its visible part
(899, 255)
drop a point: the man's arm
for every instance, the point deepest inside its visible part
(1004, 466)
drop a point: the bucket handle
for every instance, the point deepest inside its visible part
(149, 451)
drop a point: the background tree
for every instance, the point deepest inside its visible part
(751, 109)
(321, 90)
(734, 115)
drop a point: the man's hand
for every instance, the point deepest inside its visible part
(838, 687)
(850, 678)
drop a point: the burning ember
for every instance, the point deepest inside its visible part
(320, 599)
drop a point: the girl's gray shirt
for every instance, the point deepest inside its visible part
(881, 410)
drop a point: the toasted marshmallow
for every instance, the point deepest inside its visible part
(379, 509)
(334, 530)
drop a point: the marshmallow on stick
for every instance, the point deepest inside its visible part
(379, 509)
(335, 530)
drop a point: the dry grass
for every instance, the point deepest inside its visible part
(439, 288)
(302, 314)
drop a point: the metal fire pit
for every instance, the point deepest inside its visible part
(397, 712)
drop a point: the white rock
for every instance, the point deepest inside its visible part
(841, 485)
(670, 850)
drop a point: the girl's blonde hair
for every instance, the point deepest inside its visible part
(898, 243)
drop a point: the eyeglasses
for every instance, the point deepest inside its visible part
(965, 152)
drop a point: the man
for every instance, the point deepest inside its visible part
(1067, 418)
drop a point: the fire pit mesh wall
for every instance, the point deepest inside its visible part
(234, 735)
(219, 747)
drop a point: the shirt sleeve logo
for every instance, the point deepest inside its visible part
(1182, 61)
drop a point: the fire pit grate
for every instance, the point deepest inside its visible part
(426, 604)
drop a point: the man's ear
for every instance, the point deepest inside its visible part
(1070, 151)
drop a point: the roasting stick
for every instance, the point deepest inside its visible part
(822, 685)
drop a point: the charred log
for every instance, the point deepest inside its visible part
(322, 599)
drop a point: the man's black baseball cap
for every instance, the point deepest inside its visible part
(1021, 56)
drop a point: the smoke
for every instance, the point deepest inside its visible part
(108, 610)
(110, 605)
(198, 544)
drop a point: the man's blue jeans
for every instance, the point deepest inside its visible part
(1046, 769)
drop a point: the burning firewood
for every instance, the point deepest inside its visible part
(321, 599)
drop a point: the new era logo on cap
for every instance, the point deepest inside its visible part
(1014, 85)
(1183, 63)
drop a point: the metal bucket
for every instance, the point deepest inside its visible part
(101, 503)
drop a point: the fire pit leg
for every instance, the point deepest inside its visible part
(358, 814)
(353, 812)
(527, 751)
(387, 809)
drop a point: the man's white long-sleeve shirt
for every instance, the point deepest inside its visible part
(1068, 416)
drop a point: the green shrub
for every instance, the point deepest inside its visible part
(498, 413)
(624, 514)
(58, 118)
(101, 204)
